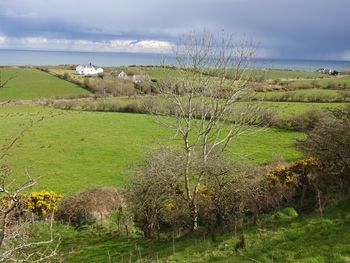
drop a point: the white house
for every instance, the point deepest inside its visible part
(120, 74)
(87, 70)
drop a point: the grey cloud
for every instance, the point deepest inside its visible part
(287, 28)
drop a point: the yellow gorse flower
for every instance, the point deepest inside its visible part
(169, 205)
(289, 173)
(206, 191)
(43, 202)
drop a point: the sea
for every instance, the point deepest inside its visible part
(46, 58)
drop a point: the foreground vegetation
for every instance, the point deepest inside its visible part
(283, 237)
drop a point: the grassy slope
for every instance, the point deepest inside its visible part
(32, 83)
(306, 239)
(74, 150)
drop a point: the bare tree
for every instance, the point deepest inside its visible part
(211, 74)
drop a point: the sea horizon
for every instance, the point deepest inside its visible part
(21, 57)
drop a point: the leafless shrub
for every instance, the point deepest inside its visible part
(332, 85)
(144, 87)
(315, 84)
(66, 76)
(299, 85)
(307, 120)
(267, 118)
(115, 86)
(345, 94)
(94, 204)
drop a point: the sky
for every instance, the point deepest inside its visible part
(295, 29)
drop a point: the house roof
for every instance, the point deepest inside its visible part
(86, 66)
(117, 73)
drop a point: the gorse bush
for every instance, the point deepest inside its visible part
(288, 174)
(302, 180)
(227, 195)
(241, 195)
(42, 203)
(330, 142)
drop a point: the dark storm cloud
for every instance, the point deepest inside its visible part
(284, 28)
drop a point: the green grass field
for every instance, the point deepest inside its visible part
(74, 150)
(31, 83)
(286, 239)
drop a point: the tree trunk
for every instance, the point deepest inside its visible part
(218, 218)
(2, 227)
(193, 216)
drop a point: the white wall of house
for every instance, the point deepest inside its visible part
(122, 75)
(79, 70)
(87, 70)
(99, 70)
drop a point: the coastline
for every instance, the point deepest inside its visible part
(53, 58)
